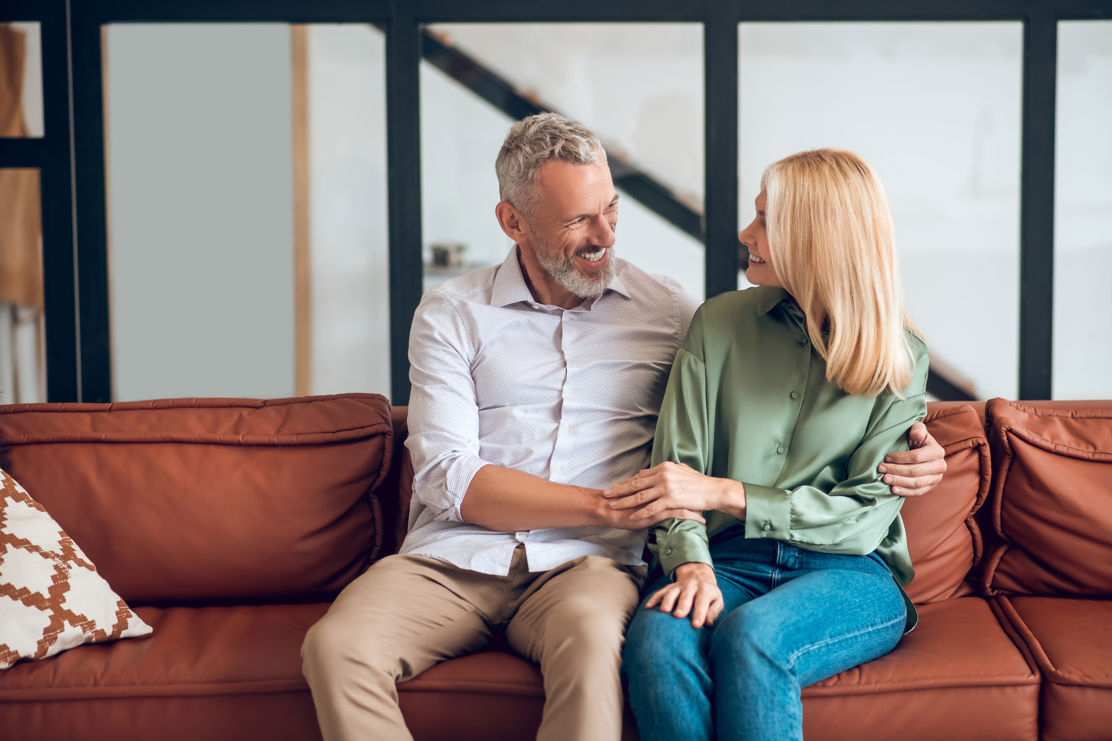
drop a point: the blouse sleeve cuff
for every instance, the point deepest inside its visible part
(768, 512)
(685, 542)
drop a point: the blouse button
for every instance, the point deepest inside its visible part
(767, 526)
(668, 551)
(794, 394)
(779, 449)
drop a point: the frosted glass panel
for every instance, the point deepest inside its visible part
(638, 86)
(1083, 213)
(247, 209)
(935, 107)
(22, 322)
(21, 52)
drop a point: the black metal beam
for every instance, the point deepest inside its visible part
(21, 152)
(63, 321)
(720, 71)
(403, 174)
(244, 11)
(1036, 212)
(91, 211)
(592, 11)
(938, 11)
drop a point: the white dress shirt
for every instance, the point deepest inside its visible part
(570, 395)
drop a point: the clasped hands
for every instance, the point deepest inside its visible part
(674, 490)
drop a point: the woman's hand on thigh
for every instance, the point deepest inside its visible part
(695, 592)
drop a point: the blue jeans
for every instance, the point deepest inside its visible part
(792, 617)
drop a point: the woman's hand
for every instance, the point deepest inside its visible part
(916, 471)
(694, 591)
(676, 486)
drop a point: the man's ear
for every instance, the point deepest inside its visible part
(511, 220)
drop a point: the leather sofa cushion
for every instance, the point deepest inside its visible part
(956, 676)
(214, 673)
(943, 537)
(1051, 498)
(214, 500)
(1068, 638)
(958, 659)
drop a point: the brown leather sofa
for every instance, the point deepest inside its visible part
(229, 525)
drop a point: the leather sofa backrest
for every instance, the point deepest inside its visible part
(210, 500)
(944, 539)
(1051, 498)
(943, 536)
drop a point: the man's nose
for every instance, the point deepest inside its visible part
(603, 233)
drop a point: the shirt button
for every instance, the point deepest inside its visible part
(557, 468)
(794, 394)
(779, 449)
(668, 551)
(767, 526)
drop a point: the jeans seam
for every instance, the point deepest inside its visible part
(830, 641)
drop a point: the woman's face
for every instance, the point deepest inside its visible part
(755, 238)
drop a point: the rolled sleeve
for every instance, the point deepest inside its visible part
(443, 437)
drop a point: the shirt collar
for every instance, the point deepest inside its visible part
(510, 287)
(770, 297)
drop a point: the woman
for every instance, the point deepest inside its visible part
(782, 401)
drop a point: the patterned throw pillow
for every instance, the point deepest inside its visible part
(51, 596)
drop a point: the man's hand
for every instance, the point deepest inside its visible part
(675, 486)
(918, 470)
(503, 499)
(695, 591)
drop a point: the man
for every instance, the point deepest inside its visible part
(536, 385)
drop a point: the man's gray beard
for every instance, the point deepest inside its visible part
(563, 270)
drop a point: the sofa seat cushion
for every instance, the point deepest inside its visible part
(205, 672)
(1069, 640)
(492, 695)
(956, 676)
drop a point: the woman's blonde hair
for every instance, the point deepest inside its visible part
(830, 231)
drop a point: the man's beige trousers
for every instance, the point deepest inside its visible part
(407, 613)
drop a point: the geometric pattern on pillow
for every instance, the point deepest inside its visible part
(51, 596)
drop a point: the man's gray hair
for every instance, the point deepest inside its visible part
(532, 141)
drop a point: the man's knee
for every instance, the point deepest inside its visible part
(582, 634)
(330, 647)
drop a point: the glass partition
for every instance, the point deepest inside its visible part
(21, 111)
(247, 209)
(638, 86)
(22, 354)
(935, 108)
(1083, 213)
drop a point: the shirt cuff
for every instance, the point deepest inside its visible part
(768, 512)
(683, 545)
